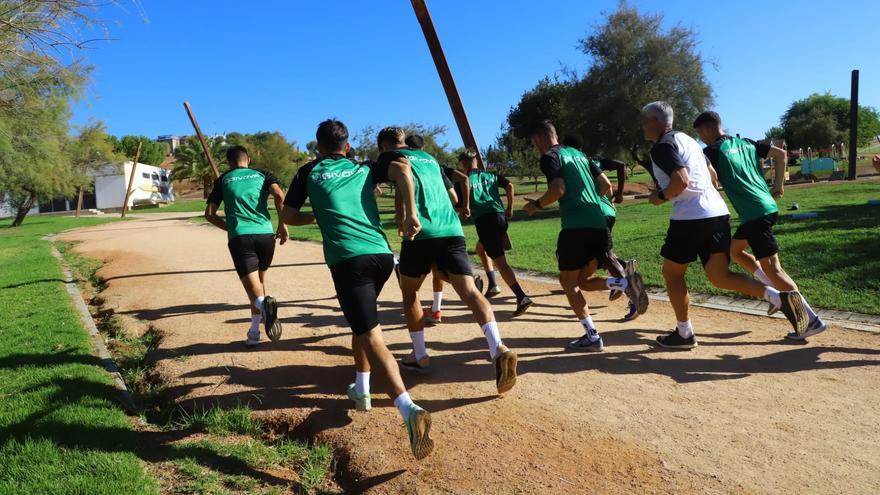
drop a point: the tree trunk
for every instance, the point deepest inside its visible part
(23, 210)
(79, 201)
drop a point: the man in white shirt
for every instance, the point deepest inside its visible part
(699, 227)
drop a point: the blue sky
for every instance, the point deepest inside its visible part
(286, 65)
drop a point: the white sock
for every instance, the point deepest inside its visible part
(590, 328)
(438, 301)
(760, 275)
(418, 340)
(396, 261)
(403, 402)
(771, 295)
(812, 314)
(255, 323)
(259, 303)
(362, 382)
(616, 283)
(685, 329)
(493, 337)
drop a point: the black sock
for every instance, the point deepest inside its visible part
(520, 294)
(491, 277)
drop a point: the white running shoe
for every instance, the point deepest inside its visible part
(253, 338)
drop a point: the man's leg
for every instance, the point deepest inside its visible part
(489, 268)
(253, 286)
(523, 301)
(570, 280)
(436, 315)
(415, 322)
(748, 262)
(676, 287)
(784, 283)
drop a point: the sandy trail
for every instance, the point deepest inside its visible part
(745, 412)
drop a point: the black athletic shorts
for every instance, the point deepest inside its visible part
(759, 234)
(576, 248)
(358, 282)
(491, 229)
(449, 254)
(688, 239)
(252, 252)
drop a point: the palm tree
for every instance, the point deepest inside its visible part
(191, 163)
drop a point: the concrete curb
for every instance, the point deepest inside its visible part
(97, 339)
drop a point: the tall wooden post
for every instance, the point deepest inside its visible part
(137, 156)
(79, 201)
(461, 120)
(853, 124)
(205, 148)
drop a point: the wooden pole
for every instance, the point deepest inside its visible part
(79, 201)
(853, 124)
(192, 119)
(461, 120)
(137, 156)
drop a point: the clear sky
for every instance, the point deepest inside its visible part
(286, 65)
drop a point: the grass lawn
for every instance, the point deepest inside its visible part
(60, 430)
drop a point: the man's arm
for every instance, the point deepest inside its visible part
(296, 198)
(555, 191)
(603, 184)
(780, 163)
(620, 168)
(462, 180)
(400, 172)
(713, 174)
(213, 218)
(292, 216)
(510, 198)
(278, 196)
(669, 160)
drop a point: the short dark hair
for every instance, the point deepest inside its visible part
(415, 141)
(573, 141)
(332, 135)
(707, 118)
(543, 128)
(236, 154)
(391, 134)
(467, 155)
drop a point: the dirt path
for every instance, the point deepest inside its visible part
(745, 412)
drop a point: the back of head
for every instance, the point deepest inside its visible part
(467, 156)
(236, 156)
(544, 129)
(393, 136)
(415, 142)
(711, 119)
(659, 111)
(332, 135)
(573, 141)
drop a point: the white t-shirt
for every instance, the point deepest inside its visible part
(700, 199)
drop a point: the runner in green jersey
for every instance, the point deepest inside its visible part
(490, 219)
(356, 250)
(441, 243)
(245, 192)
(737, 164)
(584, 241)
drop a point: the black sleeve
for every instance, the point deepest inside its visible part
(379, 171)
(268, 180)
(595, 168)
(763, 149)
(609, 164)
(502, 181)
(551, 166)
(666, 157)
(446, 182)
(297, 193)
(216, 196)
(711, 153)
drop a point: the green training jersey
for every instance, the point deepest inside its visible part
(244, 192)
(342, 199)
(580, 206)
(434, 208)
(608, 208)
(485, 198)
(739, 170)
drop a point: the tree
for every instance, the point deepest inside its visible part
(192, 165)
(364, 142)
(272, 152)
(774, 132)
(821, 120)
(634, 61)
(152, 152)
(91, 149)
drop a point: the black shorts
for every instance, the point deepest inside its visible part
(610, 222)
(491, 229)
(576, 248)
(449, 254)
(252, 252)
(688, 239)
(759, 234)
(358, 282)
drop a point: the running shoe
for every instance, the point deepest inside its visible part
(632, 312)
(635, 291)
(493, 291)
(794, 310)
(522, 306)
(585, 344)
(433, 317)
(411, 363)
(615, 294)
(674, 340)
(815, 327)
(418, 427)
(270, 318)
(505, 371)
(478, 282)
(361, 402)
(253, 338)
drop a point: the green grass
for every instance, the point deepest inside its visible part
(60, 429)
(217, 421)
